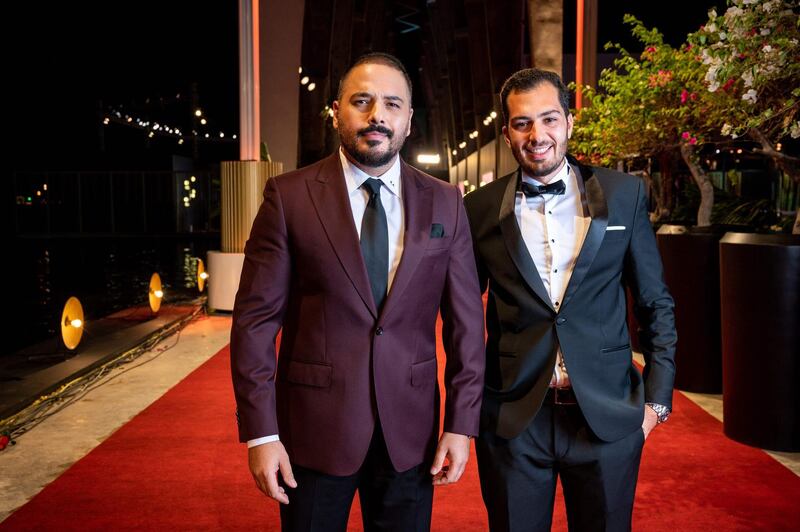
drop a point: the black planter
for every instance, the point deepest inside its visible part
(691, 271)
(760, 298)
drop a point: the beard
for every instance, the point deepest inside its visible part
(541, 168)
(372, 156)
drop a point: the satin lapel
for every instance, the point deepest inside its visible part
(516, 245)
(598, 210)
(329, 196)
(418, 209)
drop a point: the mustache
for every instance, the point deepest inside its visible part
(376, 129)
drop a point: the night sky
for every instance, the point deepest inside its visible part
(64, 65)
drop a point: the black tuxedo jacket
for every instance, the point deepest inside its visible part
(524, 330)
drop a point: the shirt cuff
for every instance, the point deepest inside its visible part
(261, 441)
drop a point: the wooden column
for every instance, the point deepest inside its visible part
(586, 48)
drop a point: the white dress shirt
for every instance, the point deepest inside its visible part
(392, 200)
(553, 228)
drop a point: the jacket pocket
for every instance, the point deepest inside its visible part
(423, 373)
(310, 374)
(617, 348)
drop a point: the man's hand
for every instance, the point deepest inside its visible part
(650, 421)
(454, 447)
(265, 462)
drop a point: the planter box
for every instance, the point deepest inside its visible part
(760, 298)
(691, 271)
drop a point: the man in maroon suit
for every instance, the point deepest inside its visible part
(353, 257)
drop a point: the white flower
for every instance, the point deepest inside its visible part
(794, 131)
(732, 13)
(726, 129)
(747, 76)
(723, 36)
(765, 31)
(767, 49)
(711, 75)
(769, 6)
(713, 87)
(748, 2)
(712, 14)
(750, 96)
(711, 28)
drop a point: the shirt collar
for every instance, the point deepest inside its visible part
(354, 177)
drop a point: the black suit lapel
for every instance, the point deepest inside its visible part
(516, 245)
(598, 210)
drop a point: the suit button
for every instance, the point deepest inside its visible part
(379, 331)
(561, 321)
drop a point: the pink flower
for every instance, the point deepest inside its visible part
(728, 84)
(693, 96)
(693, 140)
(685, 135)
(684, 96)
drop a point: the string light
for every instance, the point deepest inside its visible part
(155, 127)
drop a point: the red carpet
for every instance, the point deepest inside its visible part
(177, 465)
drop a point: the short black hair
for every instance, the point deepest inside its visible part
(377, 58)
(528, 79)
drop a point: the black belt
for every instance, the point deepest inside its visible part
(560, 396)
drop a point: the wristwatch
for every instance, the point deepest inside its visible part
(662, 411)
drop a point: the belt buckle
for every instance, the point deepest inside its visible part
(557, 396)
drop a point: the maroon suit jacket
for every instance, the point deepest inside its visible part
(341, 364)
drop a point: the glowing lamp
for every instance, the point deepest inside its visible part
(202, 275)
(156, 293)
(72, 323)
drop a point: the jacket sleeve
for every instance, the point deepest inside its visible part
(653, 306)
(462, 332)
(257, 317)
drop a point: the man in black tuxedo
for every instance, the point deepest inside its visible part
(558, 242)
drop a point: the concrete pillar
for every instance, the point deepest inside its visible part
(545, 23)
(281, 45)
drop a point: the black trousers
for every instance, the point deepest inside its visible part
(390, 500)
(518, 476)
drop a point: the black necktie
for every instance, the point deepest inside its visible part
(375, 242)
(531, 191)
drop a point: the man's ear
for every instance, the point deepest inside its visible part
(505, 136)
(570, 123)
(410, 115)
(335, 108)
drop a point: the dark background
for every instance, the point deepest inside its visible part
(71, 61)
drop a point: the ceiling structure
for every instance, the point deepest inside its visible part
(457, 52)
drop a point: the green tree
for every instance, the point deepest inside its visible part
(721, 83)
(751, 60)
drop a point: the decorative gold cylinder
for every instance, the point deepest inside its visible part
(242, 192)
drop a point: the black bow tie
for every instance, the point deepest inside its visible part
(531, 191)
